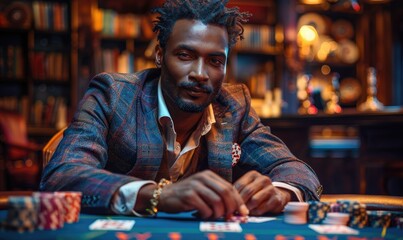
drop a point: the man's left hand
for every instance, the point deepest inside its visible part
(260, 195)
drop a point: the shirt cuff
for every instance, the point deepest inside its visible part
(124, 200)
(293, 189)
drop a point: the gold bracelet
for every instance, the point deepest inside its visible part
(153, 210)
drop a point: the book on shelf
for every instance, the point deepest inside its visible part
(50, 16)
(11, 62)
(51, 66)
(110, 23)
(262, 81)
(115, 61)
(258, 37)
(46, 113)
(17, 104)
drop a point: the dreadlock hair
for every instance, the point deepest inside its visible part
(207, 11)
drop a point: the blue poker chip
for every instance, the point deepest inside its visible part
(396, 219)
(317, 211)
(357, 211)
(22, 214)
(379, 218)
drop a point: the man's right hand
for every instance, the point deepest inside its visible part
(206, 192)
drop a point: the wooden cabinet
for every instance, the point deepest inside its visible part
(37, 62)
(352, 152)
(257, 59)
(342, 40)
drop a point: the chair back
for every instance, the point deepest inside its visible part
(50, 147)
(21, 156)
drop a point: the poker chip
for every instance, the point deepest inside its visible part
(396, 219)
(22, 213)
(317, 211)
(239, 219)
(335, 207)
(336, 218)
(51, 211)
(379, 218)
(399, 222)
(71, 205)
(44, 211)
(357, 212)
(296, 212)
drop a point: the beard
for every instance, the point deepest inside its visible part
(187, 106)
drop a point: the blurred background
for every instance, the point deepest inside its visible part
(325, 75)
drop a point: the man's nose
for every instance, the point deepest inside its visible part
(199, 70)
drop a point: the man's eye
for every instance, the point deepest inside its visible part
(183, 55)
(217, 62)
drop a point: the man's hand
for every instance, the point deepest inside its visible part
(260, 195)
(206, 192)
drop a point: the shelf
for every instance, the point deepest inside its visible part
(271, 51)
(41, 130)
(327, 8)
(65, 33)
(41, 58)
(9, 80)
(9, 30)
(124, 38)
(52, 81)
(390, 115)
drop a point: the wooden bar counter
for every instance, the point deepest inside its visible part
(352, 152)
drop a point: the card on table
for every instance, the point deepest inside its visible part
(220, 227)
(333, 229)
(260, 219)
(109, 224)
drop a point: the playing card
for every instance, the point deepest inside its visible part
(260, 219)
(108, 224)
(220, 227)
(333, 229)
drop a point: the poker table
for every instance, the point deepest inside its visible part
(185, 226)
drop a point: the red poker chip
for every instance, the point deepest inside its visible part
(71, 205)
(51, 211)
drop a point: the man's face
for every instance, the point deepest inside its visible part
(193, 65)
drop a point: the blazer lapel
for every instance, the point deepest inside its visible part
(149, 141)
(219, 145)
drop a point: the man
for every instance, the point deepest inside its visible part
(178, 122)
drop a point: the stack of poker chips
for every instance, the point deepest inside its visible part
(357, 212)
(317, 211)
(71, 206)
(335, 207)
(22, 213)
(341, 212)
(296, 212)
(396, 219)
(337, 218)
(44, 211)
(51, 212)
(379, 218)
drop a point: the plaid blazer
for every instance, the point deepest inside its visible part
(114, 139)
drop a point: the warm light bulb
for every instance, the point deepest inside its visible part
(308, 33)
(312, 2)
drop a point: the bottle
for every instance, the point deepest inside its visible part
(371, 103)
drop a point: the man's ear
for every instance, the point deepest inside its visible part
(158, 56)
